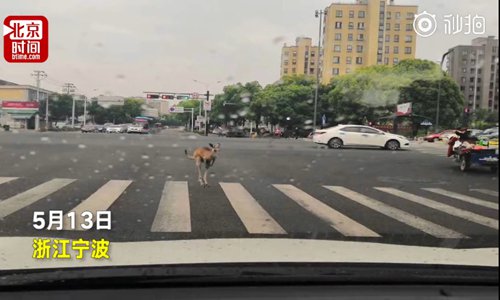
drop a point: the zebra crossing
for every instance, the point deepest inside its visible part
(173, 211)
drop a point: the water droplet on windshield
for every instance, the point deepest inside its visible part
(145, 157)
(22, 157)
(121, 159)
(96, 171)
(44, 139)
(81, 146)
(32, 152)
(122, 138)
(167, 157)
(175, 145)
(150, 146)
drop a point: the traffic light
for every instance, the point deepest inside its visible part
(152, 96)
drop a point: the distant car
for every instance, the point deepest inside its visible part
(88, 128)
(99, 128)
(359, 136)
(114, 129)
(437, 136)
(235, 132)
(137, 128)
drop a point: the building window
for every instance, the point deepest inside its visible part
(351, 14)
(313, 54)
(359, 60)
(338, 14)
(407, 50)
(361, 25)
(349, 37)
(336, 59)
(409, 27)
(386, 51)
(410, 16)
(285, 62)
(386, 60)
(395, 61)
(396, 38)
(494, 49)
(361, 14)
(338, 36)
(293, 70)
(311, 70)
(463, 79)
(398, 15)
(335, 71)
(389, 14)
(294, 62)
(285, 71)
(348, 60)
(351, 25)
(387, 38)
(336, 48)
(285, 53)
(348, 70)
(464, 70)
(462, 88)
(388, 26)
(396, 50)
(349, 48)
(359, 48)
(294, 54)
(397, 27)
(338, 25)
(361, 37)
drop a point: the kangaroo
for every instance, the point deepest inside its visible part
(206, 155)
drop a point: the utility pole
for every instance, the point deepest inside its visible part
(69, 88)
(206, 121)
(318, 14)
(39, 75)
(439, 89)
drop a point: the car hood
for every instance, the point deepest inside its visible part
(16, 253)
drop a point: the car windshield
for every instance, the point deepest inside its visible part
(218, 132)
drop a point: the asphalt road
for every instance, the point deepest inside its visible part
(258, 188)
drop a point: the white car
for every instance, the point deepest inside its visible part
(137, 128)
(359, 136)
(114, 129)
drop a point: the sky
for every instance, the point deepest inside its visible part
(125, 47)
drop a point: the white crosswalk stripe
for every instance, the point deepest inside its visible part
(19, 201)
(99, 201)
(397, 214)
(337, 220)
(486, 192)
(7, 179)
(461, 197)
(250, 212)
(174, 212)
(464, 214)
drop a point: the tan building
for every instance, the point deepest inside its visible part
(365, 33)
(300, 59)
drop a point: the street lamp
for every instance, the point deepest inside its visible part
(318, 14)
(439, 89)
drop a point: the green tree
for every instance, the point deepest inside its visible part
(132, 108)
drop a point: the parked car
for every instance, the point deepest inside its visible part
(235, 132)
(99, 128)
(359, 136)
(438, 136)
(114, 129)
(88, 128)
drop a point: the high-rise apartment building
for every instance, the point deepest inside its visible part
(365, 33)
(300, 59)
(475, 69)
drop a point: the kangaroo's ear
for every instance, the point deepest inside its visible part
(217, 145)
(211, 145)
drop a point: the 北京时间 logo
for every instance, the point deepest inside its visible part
(26, 39)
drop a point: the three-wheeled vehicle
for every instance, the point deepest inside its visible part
(473, 155)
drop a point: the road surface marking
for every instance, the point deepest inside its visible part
(457, 212)
(98, 201)
(486, 192)
(250, 212)
(174, 213)
(19, 201)
(463, 197)
(7, 179)
(397, 214)
(337, 220)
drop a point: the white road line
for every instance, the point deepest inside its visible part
(337, 220)
(486, 192)
(174, 213)
(17, 202)
(463, 197)
(7, 179)
(397, 214)
(98, 201)
(250, 212)
(457, 212)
